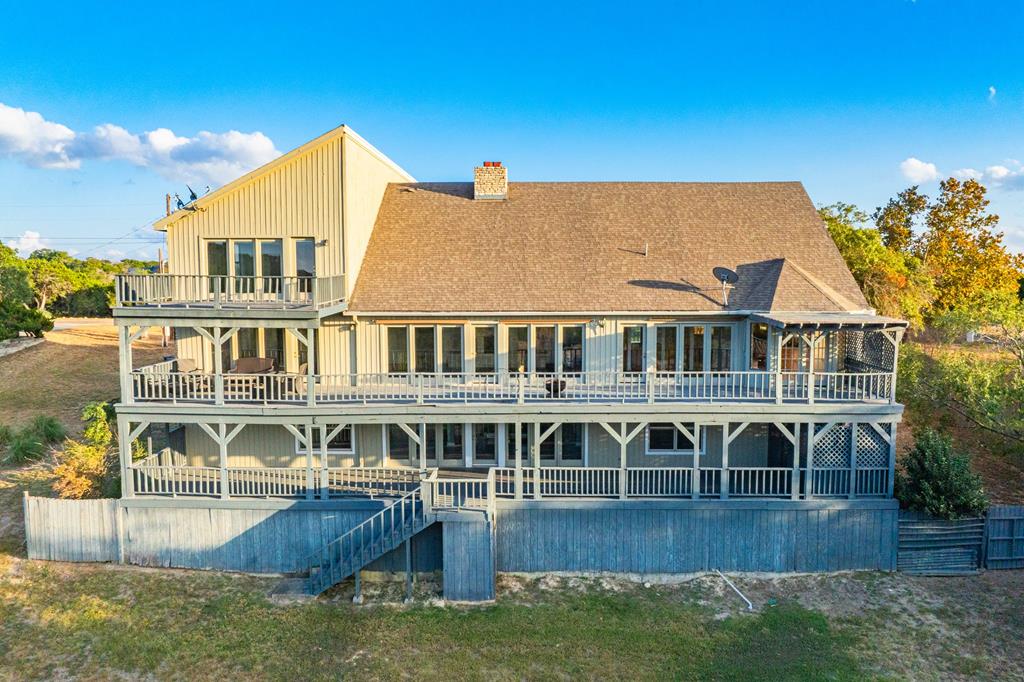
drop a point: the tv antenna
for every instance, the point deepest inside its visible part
(728, 278)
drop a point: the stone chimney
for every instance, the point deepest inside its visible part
(490, 181)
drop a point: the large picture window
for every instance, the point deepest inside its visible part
(518, 349)
(398, 350)
(423, 352)
(572, 349)
(484, 350)
(633, 348)
(451, 349)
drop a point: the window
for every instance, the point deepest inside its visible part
(485, 442)
(666, 439)
(693, 349)
(484, 349)
(305, 263)
(452, 442)
(398, 350)
(572, 441)
(399, 443)
(518, 349)
(544, 349)
(342, 441)
(547, 446)
(271, 265)
(759, 346)
(721, 349)
(451, 349)
(524, 444)
(245, 266)
(423, 340)
(665, 349)
(633, 349)
(572, 349)
(217, 265)
(273, 346)
(248, 343)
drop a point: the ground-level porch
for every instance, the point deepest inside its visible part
(656, 456)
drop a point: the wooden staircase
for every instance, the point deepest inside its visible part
(373, 538)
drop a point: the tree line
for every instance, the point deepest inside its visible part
(53, 283)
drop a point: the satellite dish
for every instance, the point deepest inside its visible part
(725, 275)
(728, 278)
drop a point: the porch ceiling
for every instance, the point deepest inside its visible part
(828, 321)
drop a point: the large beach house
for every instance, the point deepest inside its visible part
(481, 376)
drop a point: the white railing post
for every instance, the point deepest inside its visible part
(695, 484)
(519, 460)
(854, 427)
(650, 386)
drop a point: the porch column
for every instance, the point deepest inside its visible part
(124, 344)
(852, 493)
(422, 446)
(794, 484)
(810, 368)
(310, 366)
(324, 480)
(695, 484)
(218, 366)
(778, 367)
(535, 450)
(519, 459)
(892, 459)
(623, 456)
(124, 444)
(723, 491)
(308, 430)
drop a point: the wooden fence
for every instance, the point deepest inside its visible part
(72, 530)
(1004, 537)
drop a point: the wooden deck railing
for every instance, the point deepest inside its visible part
(478, 492)
(158, 383)
(163, 290)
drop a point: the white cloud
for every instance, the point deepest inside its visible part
(919, 171)
(968, 174)
(997, 172)
(991, 93)
(28, 242)
(207, 157)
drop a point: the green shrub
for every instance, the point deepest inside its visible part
(936, 480)
(84, 471)
(25, 446)
(15, 318)
(48, 429)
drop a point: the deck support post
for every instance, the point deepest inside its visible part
(813, 343)
(357, 598)
(852, 493)
(408, 571)
(218, 366)
(778, 367)
(794, 484)
(623, 459)
(723, 490)
(892, 460)
(124, 445)
(311, 366)
(308, 431)
(695, 485)
(422, 446)
(519, 460)
(324, 481)
(535, 452)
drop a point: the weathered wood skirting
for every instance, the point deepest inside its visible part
(684, 537)
(71, 530)
(468, 556)
(1004, 534)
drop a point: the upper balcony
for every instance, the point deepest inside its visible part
(215, 296)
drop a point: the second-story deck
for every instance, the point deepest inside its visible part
(165, 295)
(160, 383)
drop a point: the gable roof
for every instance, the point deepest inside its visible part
(580, 247)
(341, 131)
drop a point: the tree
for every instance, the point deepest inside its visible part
(937, 480)
(962, 250)
(894, 282)
(14, 283)
(895, 221)
(50, 279)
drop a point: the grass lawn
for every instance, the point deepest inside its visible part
(61, 376)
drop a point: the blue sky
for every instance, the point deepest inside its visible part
(857, 100)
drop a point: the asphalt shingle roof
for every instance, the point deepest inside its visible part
(579, 246)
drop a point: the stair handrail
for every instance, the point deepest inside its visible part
(407, 501)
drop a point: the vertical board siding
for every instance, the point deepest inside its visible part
(71, 530)
(934, 546)
(690, 539)
(253, 540)
(468, 546)
(1004, 533)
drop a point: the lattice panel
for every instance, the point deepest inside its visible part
(872, 450)
(832, 451)
(869, 351)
